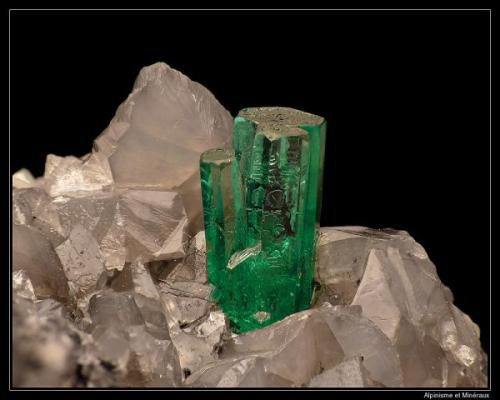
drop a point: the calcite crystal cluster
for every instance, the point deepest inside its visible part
(262, 206)
(110, 288)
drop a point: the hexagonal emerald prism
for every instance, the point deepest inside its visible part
(262, 203)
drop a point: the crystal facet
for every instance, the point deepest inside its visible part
(158, 133)
(261, 207)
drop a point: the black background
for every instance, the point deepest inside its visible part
(405, 94)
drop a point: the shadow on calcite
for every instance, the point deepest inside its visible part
(110, 286)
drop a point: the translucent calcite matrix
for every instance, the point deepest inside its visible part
(262, 203)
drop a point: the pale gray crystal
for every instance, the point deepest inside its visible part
(196, 351)
(81, 259)
(100, 213)
(305, 334)
(94, 212)
(358, 335)
(155, 223)
(349, 373)
(186, 310)
(147, 299)
(139, 305)
(74, 176)
(192, 267)
(109, 308)
(376, 298)
(240, 371)
(398, 288)
(195, 332)
(131, 331)
(124, 340)
(94, 224)
(23, 179)
(395, 324)
(295, 350)
(127, 223)
(112, 346)
(111, 235)
(340, 263)
(196, 257)
(33, 207)
(21, 284)
(33, 253)
(176, 270)
(55, 218)
(158, 133)
(155, 361)
(142, 281)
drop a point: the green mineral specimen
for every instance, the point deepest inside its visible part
(262, 203)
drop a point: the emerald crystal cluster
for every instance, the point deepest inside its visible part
(262, 203)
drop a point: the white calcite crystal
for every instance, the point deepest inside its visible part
(124, 341)
(392, 279)
(81, 260)
(322, 337)
(110, 285)
(33, 207)
(71, 175)
(33, 253)
(22, 286)
(158, 133)
(120, 226)
(394, 324)
(195, 329)
(155, 223)
(349, 373)
(23, 179)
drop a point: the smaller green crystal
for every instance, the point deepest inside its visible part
(261, 210)
(223, 210)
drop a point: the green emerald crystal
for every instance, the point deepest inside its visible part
(262, 203)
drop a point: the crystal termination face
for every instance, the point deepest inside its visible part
(262, 203)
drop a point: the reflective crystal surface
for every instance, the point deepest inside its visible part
(154, 323)
(392, 279)
(71, 175)
(33, 253)
(349, 373)
(160, 130)
(23, 179)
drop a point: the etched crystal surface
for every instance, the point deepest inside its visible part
(261, 209)
(135, 309)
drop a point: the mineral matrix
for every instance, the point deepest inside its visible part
(262, 203)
